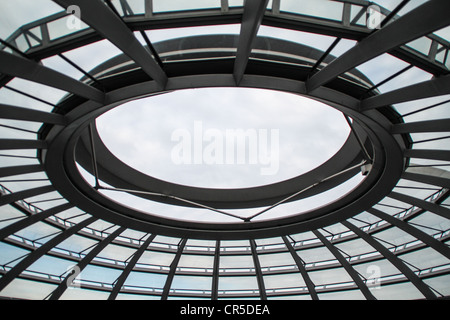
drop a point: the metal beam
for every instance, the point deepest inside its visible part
(429, 206)
(311, 286)
(426, 89)
(28, 221)
(39, 252)
(352, 272)
(259, 277)
(25, 114)
(173, 268)
(17, 170)
(10, 144)
(418, 234)
(59, 291)
(215, 277)
(101, 18)
(16, 196)
(441, 155)
(407, 28)
(427, 179)
(130, 265)
(30, 70)
(441, 125)
(251, 20)
(399, 264)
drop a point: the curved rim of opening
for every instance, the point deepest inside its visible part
(71, 142)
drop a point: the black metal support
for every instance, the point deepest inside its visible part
(399, 264)
(299, 262)
(347, 266)
(130, 265)
(173, 268)
(259, 276)
(39, 252)
(59, 291)
(407, 28)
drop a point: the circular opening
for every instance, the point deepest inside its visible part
(223, 137)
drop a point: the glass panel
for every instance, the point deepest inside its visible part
(29, 11)
(145, 281)
(425, 109)
(10, 215)
(330, 277)
(129, 7)
(342, 295)
(191, 284)
(440, 283)
(233, 284)
(407, 78)
(421, 45)
(65, 26)
(90, 56)
(431, 223)
(239, 3)
(197, 262)
(47, 265)
(98, 276)
(10, 97)
(284, 282)
(181, 5)
(59, 64)
(26, 289)
(415, 189)
(433, 140)
(11, 255)
(399, 291)
(40, 232)
(320, 8)
(382, 67)
(84, 294)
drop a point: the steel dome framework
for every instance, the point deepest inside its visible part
(387, 239)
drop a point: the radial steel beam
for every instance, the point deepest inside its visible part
(441, 125)
(25, 114)
(59, 291)
(441, 155)
(407, 28)
(429, 206)
(311, 286)
(17, 170)
(10, 144)
(251, 21)
(352, 272)
(427, 179)
(259, 276)
(173, 268)
(30, 70)
(40, 251)
(399, 264)
(28, 221)
(130, 265)
(426, 89)
(20, 195)
(101, 18)
(418, 234)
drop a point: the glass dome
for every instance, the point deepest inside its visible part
(368, 218)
